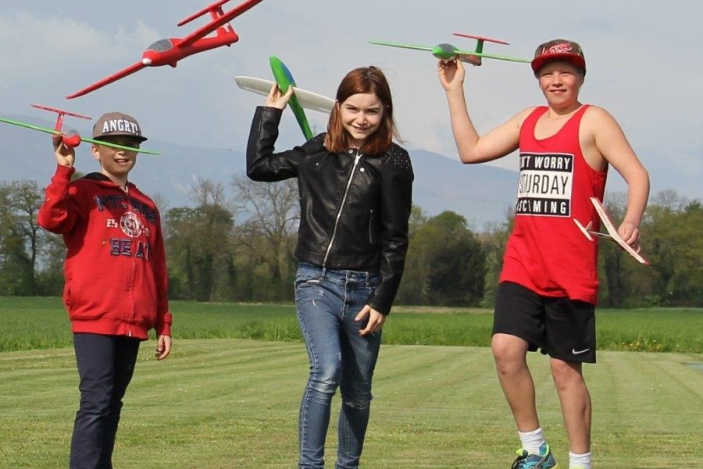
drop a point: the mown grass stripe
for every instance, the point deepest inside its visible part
(233, 403)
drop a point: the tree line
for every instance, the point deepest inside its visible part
(236, 243)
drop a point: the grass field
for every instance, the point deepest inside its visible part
(41, 323)
(226, 402)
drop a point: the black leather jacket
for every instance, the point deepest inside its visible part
(354, 209)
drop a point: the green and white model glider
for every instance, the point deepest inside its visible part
(450, 52)
(301, 99)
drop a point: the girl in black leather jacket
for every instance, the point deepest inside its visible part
(355, 189)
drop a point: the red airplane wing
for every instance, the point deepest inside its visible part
(212, 8)
(60, 111)
(481, 38)
(61, 114)
(216, 23)
(105, 81)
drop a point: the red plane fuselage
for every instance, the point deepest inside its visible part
(168, 51)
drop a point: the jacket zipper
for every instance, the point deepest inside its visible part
(341, 208)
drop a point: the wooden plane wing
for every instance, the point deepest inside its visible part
(135, 67)
(613, 232)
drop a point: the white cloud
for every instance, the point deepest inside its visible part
(644, 68)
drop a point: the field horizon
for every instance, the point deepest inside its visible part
(41, 323)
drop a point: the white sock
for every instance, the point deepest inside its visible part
(580, 461)
(532, 441)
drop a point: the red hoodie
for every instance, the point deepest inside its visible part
(115, 269)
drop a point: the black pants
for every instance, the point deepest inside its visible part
(105, 368)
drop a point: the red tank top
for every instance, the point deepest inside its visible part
(546, 251)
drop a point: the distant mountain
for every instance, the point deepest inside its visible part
(480, 193)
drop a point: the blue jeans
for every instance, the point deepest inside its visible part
(105, 368)
(327, 302)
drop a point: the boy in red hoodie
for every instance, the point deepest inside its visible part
(116, 279)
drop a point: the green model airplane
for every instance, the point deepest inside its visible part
(451, 52)
(301, 99)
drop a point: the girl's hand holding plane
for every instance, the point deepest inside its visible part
(278, 99)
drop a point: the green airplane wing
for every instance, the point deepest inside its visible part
(89, 140)
(497, 57)
(121, 147)
(284, 80)
(403, 46)
(447, 51)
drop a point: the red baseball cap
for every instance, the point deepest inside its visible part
(559, 50)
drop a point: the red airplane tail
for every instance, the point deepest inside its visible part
(215, 9)
(219, 19)
(481, 38)
(61, 113)
(210, 8)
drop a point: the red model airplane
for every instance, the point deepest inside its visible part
(70, 139)
(170, 51)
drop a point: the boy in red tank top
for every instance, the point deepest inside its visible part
(547, 295)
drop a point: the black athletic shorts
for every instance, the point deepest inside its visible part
(560, 327)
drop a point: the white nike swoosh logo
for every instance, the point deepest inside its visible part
(579, 352)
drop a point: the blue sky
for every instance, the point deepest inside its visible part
(645, 66)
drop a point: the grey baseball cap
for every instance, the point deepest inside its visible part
(117, 123)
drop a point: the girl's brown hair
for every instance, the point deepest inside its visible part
(362, 80)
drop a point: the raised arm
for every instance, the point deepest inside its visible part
(59, 213)
(472, 147)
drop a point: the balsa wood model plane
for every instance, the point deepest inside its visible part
(612, 232)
